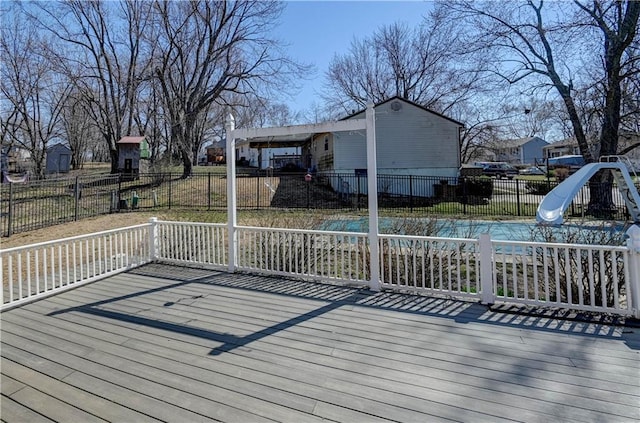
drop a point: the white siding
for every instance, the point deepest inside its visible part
(409, 141)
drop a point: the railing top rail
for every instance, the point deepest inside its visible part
(182, 223)
(560, 244)
(72, 238)
(304, 231)
(428, 238)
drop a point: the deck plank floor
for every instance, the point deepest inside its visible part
(177, 344)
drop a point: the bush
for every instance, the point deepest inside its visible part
(475, 187)
(562, 173)
(538, 187)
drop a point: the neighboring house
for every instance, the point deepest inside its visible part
(132, 155)
(561, 148)
(570, 146)
(263, 153)
(58, 159)
(521, 151)
(14, 159)
(410, 140)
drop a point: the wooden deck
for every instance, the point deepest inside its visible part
(166, 343)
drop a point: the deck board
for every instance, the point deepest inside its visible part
(182, 344)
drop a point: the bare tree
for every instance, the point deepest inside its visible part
(78, 128)
(557, 47)
(415, 64)
(32, 89)
(208, 49)
(103, 56)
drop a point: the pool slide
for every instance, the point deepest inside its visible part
(554, 204)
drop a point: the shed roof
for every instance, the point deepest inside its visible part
(131, 140)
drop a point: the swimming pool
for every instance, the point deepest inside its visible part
(499, 230)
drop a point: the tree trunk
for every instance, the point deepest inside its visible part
(601, 195)
(114, 161)
(187, 163)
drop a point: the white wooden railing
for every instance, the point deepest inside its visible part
(568, 276)
(322, 255)
(38, 270)
(190, 243)
(446, 266)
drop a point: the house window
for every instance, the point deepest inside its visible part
(326, 144)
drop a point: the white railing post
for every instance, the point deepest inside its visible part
(372, 188)
(153, 239)
(633, 243)
(486, 269)
(1, 282)
(230, 126)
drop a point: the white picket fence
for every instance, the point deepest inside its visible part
(568, 276)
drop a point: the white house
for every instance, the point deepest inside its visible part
(410, 140)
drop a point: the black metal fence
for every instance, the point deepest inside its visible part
(38, 204)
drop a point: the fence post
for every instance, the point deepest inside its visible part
(119, 190)
(153, 239)
(10, 216)
(76, 193)
(517, 195)
(410, 193)
(487, 295)
(633, 244)
(465, 200)
(209, 191)
(169, 191)
(258, 191)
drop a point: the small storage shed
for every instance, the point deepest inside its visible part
(58, 159)
(130, 152)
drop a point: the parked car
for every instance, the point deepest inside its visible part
(533, 170)
(498, 169)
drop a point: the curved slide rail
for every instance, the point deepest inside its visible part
(555, 203)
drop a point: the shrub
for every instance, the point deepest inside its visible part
(475, 188)
(538, 187)
(562, 173)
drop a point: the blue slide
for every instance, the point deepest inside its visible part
(555, 203)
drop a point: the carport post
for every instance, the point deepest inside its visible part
(232, 237)
(372, 187)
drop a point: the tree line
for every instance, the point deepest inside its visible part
(83, 71)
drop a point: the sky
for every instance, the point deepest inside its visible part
(317, 30)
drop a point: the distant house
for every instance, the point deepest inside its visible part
(528, 150)
(58, 159)
(132, 152)
(561, 148)
(263, 153)
(410, 140)
(626, 143)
